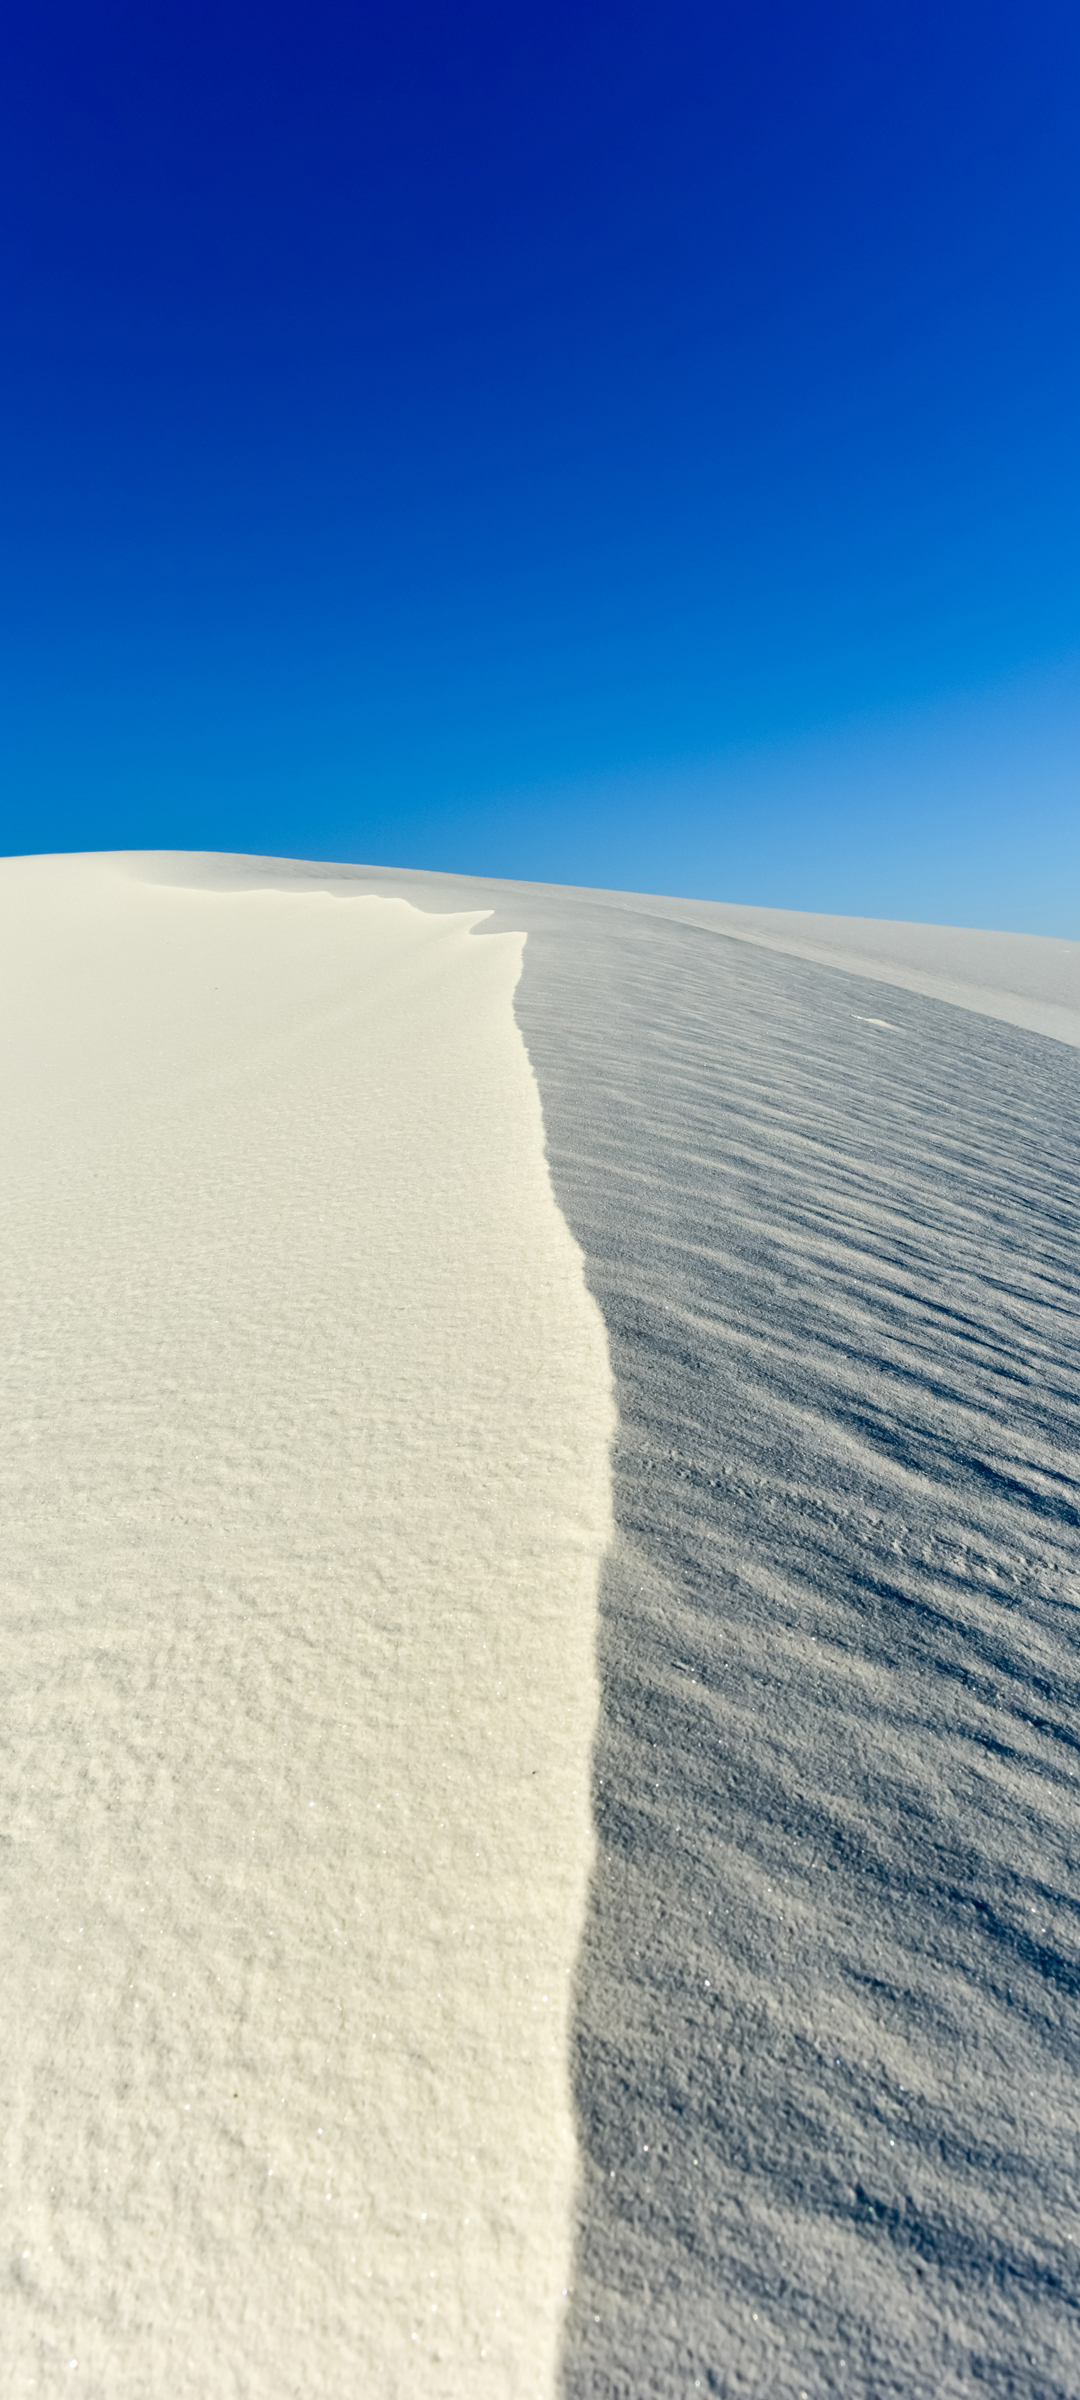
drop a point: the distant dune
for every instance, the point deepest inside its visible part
(505, 1893)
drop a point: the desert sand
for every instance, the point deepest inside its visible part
(306, 1419)
(816, 1186)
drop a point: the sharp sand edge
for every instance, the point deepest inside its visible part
(826, 2037)
(1025, 979)
(824, 2029)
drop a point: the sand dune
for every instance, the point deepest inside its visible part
(1024, 979)
(828, 2034)
(1021, 978)
(824, 2038)
(306, 1423)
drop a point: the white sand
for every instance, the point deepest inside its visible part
(1028, 979)
(304, 1447)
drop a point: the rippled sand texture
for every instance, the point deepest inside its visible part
(304, 1457)
(828, 2031)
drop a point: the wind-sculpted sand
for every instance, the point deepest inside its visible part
(828, 2027)
(304, 1450)
(825, 2030)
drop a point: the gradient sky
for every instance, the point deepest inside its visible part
(634, 445)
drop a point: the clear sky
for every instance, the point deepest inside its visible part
(624, 444)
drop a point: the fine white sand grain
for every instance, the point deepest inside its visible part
(304, 1454)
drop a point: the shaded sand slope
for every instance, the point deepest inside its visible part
(304, 1463)
(828, 2005)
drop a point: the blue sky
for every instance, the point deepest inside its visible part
(625, 444)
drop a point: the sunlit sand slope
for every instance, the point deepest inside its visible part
(304, 1457)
